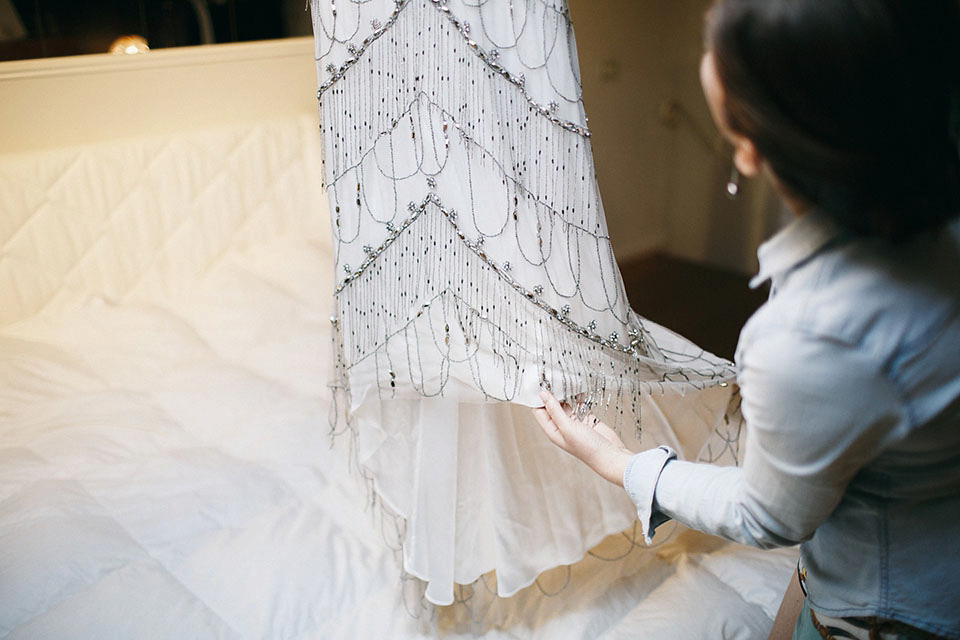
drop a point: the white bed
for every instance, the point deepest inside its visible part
(165, 465)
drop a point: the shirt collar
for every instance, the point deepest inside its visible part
(792, 245)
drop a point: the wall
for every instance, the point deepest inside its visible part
(620, 45)
(661, 165)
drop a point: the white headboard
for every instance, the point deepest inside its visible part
(130, 176)
(56, 102)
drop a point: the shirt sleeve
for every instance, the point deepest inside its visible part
(640, 480)
(817, 410)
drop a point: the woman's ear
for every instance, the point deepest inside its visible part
(746, 158)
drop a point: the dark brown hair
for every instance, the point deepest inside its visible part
(853, 103)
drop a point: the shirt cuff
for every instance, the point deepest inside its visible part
(640, 480)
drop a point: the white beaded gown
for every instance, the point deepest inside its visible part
(473, 268)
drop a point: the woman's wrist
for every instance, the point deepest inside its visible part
(612, 464)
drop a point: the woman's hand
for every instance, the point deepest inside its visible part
(590, 440)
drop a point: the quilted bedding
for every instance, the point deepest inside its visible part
(165, 465)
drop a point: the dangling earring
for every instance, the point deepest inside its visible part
(733, 184)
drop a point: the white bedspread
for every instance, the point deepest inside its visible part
(165, 468)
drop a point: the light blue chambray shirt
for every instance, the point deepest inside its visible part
(850, 379)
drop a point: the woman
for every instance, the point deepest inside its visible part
(850, 373)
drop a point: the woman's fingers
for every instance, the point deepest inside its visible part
(573, 436)
(591, 441)
(549, 427)
(559, 427)
(555, 409)
(605, 431)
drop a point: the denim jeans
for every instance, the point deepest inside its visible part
(806, 630)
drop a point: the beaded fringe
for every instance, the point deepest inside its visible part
(468, 227)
